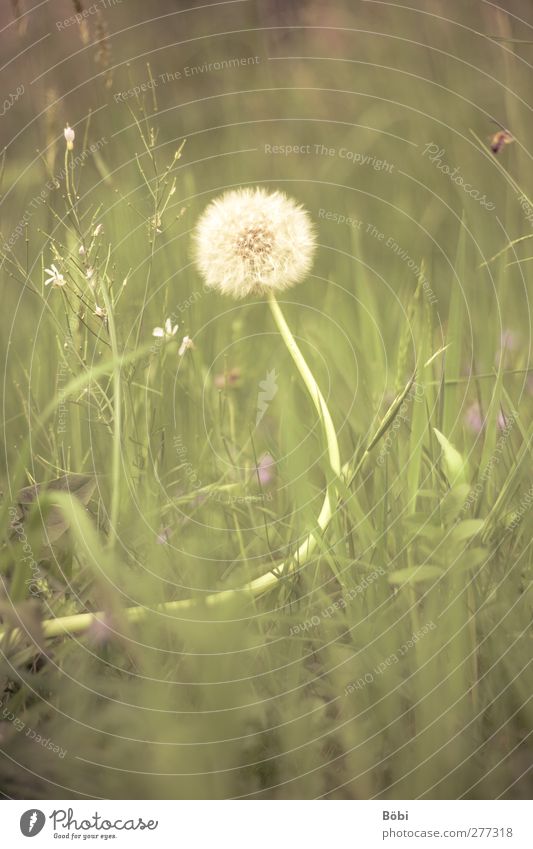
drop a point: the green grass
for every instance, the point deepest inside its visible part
(393, 660)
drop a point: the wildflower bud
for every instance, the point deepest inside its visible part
(70, 135)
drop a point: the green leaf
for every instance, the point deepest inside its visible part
(466, 530)
(454, 464)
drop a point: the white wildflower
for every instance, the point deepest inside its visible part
(166, 332)
(251, 241)
(70, 135)
(186, 345)
(97, 230)
(55, 278)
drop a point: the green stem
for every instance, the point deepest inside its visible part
(117, 418)
(311, 384)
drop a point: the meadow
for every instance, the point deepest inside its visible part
(199, 599)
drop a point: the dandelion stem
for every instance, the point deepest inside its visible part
(311, 384)
(79, 623)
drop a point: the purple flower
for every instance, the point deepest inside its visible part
(265, 469)
(475, 421)
(509, 344)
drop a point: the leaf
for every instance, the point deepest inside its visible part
(466, 530)
(415, 575)
(455, 465)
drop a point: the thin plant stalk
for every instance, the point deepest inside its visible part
(117, 417)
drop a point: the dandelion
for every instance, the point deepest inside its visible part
(70, 135)
(186, 345)
(251, 241)
(166, 332)
(55, 278)
(254, 242)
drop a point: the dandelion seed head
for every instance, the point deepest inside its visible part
(251, 241)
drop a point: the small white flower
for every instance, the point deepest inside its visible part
(55, 278)
(89, 274)
(97, 230)
(186, 345)
(251, 241)
(81, 250)
(166, 332)
(70, 135)
(99, 312)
